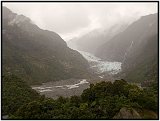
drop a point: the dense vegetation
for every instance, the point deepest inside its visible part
(101, 101)
(15, 93)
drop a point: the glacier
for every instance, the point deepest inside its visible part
(101, 66)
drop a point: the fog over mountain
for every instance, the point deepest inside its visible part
(75, 19)
(34, 54)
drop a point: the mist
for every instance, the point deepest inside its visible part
(71, 20)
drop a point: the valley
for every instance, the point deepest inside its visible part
(104, 70)
(58, 66)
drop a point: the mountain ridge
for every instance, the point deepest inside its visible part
(136, 48)
(112, 49)
(36, 54)
(90, 41)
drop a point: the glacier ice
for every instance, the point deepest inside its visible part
(101, 66)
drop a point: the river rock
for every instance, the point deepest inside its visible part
(126, 113)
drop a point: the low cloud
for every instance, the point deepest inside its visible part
(75, 19)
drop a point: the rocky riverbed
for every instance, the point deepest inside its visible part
(64, 88)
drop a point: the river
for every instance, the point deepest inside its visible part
(65, 88)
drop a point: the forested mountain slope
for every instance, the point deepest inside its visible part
(143, 66)
(134, 37)
(136, 48)
(37, 55)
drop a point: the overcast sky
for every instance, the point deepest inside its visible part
(75, 19)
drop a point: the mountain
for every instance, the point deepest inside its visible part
(37, 55)
(143, 64)
(136, 48)
(116, 47)
(95, 38)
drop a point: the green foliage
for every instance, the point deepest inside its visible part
(15, 93)
(101, 101)
(148, 100)
(75, 100)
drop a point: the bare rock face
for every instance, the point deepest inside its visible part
(126, 113)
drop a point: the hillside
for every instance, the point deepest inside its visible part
(121, 43)
(143, 66)
(37, 55)
(136, 48)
